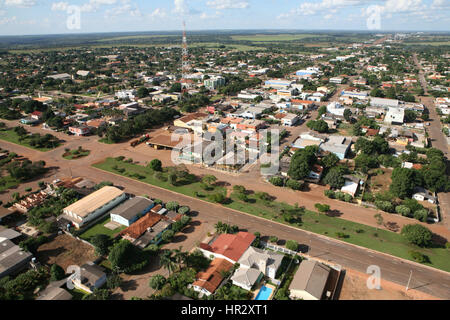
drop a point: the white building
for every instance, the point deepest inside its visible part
(336, 108)
(124, 94)
(395, 116)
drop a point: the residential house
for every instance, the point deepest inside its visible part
(228, 246)
(351, 185)
(338, 145)
(80, 130)
(309, 281)
(30, 201)
(255, 263)
(131, 210)
(208, 281)
(421, 194)
(290, 120)
(91, 277)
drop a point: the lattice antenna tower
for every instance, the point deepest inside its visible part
(185, 65)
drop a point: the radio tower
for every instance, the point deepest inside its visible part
(185, 66)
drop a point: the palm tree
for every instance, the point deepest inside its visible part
(209, 179)
(167, 261)
(180, 256)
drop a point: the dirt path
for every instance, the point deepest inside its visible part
(355, 288)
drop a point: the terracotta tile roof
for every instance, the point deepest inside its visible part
(231, 246)
(372, 132)
(212, 277)
(139, 227)
(297, 101)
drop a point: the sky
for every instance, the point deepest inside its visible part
(24, 17)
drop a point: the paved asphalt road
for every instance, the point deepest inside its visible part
(438, 140)
(431, 281)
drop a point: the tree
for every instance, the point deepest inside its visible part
(330, 161)
(322, 207)
(385, 206)
(114, 281)
(217, 197)
(101, 243)
(403, 210)
(421, 215)
(156, 165)
(318, 125)
(157, 282)
(172, 205)
(379, 219)
(302, 162)
(347, 115)
(366, 162)
(209, 179)
(127, 257)
(294, 184)
(167, 261)
(335, 177)
(292, 245)
(142, 92)
(417, 234)
(277, 181)
(403, 182)
(167, 235)
(410, 116)
(57, 272)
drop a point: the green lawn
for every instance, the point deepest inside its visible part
(358, 234)
(275, 37)
(99, 228)
(10, 136)
(75, 154)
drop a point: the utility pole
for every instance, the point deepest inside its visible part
(409, 281)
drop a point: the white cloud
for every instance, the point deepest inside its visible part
(227, 4)
(7, 20)
(158, 13)
(20, 3)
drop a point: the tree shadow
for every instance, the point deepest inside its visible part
(334, 213)
(392, 226)
(179, 238)
(438, 241)
(222, 184)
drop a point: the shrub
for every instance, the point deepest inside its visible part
(239, 189)
(167, 235)
(292, 245)
(242, 197)
(217, 197)
(172, 205)
(340, 196)
(421, 215)
(403, 210)
(273, 239)
(447, 245)
(156, 165)
(294, 184)
(419, 257)
(348, 198)
(277, 181)
(57, 273)
(342, 235)
(322, 207)
(184, 210)
(385, 206)
(330, 194)
(157, 282)
(417, 234)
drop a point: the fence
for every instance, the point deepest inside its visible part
(277, 248)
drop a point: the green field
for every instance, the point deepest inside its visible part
(143, 37)
(429, 43)
(358, 234)
(10, 136)
(276, 37)
(99, 228)
(75, 154)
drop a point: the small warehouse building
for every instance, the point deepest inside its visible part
(94, 205)
(310, 280)
(131, 210)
